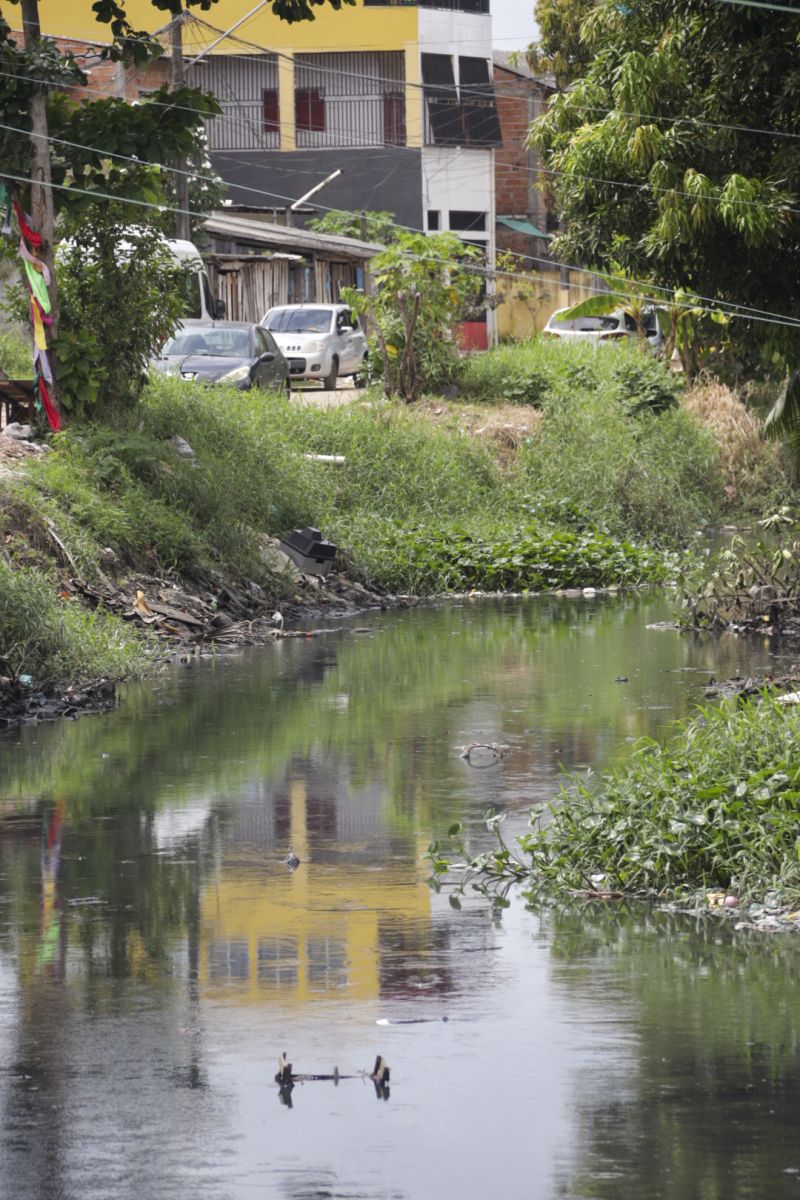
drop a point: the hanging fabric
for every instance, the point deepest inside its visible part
(38, 276)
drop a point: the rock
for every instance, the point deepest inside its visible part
(181, 447)
(275, 559)
(20, 432)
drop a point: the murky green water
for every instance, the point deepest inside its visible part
(156, 956)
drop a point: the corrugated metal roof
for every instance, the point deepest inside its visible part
(287, 238)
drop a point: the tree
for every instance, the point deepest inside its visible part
(560, 49)
(368, 226)
(424, 285)
(160, 129)
(675, 155)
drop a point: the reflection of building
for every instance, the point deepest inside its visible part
(307, 934)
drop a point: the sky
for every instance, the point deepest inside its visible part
(513, 24)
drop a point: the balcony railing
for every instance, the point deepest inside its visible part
(465, 6)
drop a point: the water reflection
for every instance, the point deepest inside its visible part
(157, 954)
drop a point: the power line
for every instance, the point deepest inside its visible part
(743, 311)
(762, 4)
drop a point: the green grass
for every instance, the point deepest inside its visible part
(415, 507)
(716, 807)
(16, 354)
(543, 369)
(55, 640)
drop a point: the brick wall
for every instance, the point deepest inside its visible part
(106, 78)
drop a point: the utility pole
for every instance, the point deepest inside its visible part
(42, 208)
(182, 228)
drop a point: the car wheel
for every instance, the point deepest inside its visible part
(329, 382)
(287, 383)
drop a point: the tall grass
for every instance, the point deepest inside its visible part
(415, 506)
(55, 640)
(543, 369)
(16, 353)
(752, 469)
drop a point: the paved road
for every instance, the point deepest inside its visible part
(344, 394)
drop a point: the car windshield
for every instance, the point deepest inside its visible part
(585, 324)
(217, 343)
(300, 320)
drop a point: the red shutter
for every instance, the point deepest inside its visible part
(272, 122)
(309, 110)
(394, 119)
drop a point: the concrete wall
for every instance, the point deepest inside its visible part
(528, 302)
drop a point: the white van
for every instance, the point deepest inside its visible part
(201, 307)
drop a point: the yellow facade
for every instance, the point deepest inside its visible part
(530, 300)
(289, 938)
(352, 29)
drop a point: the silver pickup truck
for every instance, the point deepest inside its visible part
(319, 341)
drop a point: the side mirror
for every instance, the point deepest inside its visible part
(220, 308)
(267, 357)
(346, 329)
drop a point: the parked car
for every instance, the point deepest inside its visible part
(320, 341)
(611, 327)
(234, 352)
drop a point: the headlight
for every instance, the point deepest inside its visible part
(313, 347)
(237, 375)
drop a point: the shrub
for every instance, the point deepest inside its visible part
(531, 372)
(56, 640)
(16, 354)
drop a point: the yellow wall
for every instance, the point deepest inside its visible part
(350, 29)
(356, 28)
(528, 303)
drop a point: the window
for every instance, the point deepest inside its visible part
(228, 960)
(462, 221)
(394, 119)
(309, 110)
(264, 342)
(272, 122)
(327, 964)
(277, 962)
(465, 115)
(433, 220)
(481, 122)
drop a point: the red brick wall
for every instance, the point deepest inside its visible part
(515, 109)
(107, 78)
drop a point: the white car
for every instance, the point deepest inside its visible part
(319, 341)
(611, 327)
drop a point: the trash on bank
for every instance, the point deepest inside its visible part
(309, 551)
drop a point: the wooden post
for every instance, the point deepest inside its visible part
(42, 207)
(182, 226)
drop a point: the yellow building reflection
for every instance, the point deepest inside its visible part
(292, 937)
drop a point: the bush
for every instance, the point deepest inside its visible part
(651, 476)
(16, 354)
(56, 640)
(531, 372)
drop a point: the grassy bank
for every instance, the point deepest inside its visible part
(715, 808)
(594, 496)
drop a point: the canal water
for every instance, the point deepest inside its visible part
(157, 956)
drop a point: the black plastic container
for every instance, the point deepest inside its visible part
(309, 551)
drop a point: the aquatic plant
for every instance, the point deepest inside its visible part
(716, 807)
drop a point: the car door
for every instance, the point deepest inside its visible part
(346, 350)
(268, 374)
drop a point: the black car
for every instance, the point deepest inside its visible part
(233, 352)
